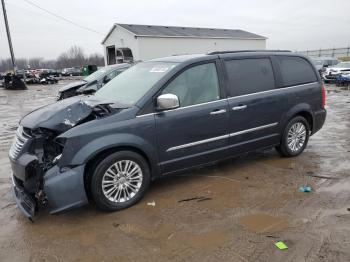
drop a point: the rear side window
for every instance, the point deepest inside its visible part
(247, 76)
(296, 71)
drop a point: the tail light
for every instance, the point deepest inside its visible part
(323, 96)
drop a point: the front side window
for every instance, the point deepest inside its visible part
(130, 86)
(196, 85)
(296, 71)
(248, 76)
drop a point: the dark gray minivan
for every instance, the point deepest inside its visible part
(159, 117)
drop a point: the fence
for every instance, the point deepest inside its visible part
(333, 52)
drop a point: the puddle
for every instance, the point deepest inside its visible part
(262, 223)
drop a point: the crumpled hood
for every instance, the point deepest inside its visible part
(67, 113)
(72, 85)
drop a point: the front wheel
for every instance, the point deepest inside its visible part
(295, 137)
(120, 180)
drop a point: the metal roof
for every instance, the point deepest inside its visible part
(177, 31)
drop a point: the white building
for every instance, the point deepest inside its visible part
(126, 42)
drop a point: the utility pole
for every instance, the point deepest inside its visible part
(9, 37)
(13, 82)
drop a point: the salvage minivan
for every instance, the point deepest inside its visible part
(160, 117)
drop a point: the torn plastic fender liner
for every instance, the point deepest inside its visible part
(65, 190)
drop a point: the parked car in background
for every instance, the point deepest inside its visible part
(49, 72)
(332, 72)
(321, 63)
(73, 71)
(93, 82)
(159, 117)
(48, 80)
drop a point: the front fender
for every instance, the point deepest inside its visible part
(94, 147)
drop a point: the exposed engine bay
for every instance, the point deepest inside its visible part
(38, 148)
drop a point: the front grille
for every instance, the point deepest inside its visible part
(20, 140)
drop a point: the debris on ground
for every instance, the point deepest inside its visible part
(280, 245)
(305, 189)
(199, 199)
(348, 209)
(204, 199)
(115, 224)
(170, 236)
(151, 203)
(271, 236)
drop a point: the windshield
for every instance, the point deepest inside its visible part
(128, 87)
(343, 65)
(97, 74)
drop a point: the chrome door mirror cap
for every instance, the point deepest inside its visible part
(167, 101)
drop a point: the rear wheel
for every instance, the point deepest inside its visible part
(295, 137)
(120, 180)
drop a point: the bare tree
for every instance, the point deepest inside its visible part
(35, 62)
(74, 56)
(95, 59)
(5, 65)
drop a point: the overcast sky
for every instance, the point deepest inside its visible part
(289, 24)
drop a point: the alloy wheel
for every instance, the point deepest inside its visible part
(296, 136)
(122, 181)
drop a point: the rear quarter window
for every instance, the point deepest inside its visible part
(296, 71)
(250, 75)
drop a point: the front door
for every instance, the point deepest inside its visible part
(197, 131)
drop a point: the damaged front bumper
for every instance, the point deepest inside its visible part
(62, 190)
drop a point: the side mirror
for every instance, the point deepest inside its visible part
(167, 101)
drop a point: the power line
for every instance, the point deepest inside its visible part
(15, 6)
(63, 18)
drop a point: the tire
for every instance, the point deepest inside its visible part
(113, 196)
(298, 140)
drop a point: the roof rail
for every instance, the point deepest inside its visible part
(244, 51)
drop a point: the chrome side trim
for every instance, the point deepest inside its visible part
(149, 114)
(197, 143)
(220, 137)
(273, 90)
(179, 108)
(252, 129)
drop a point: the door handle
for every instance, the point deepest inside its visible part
(237, 108)
(218, 111)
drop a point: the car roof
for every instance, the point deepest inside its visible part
(179, 58)
(198, 57)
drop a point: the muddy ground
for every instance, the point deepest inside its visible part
(241, 206)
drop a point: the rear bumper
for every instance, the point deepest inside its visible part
(319, 119)
(63, 190)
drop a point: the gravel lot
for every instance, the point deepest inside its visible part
(248, 203)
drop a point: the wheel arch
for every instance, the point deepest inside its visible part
(303, 110)
(93, 161)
